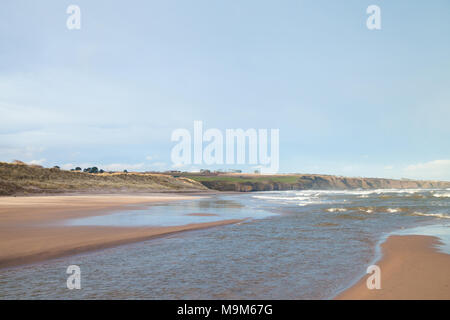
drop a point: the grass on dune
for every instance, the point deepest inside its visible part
(19, 178)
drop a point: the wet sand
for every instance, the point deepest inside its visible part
(411, 268)
(29, 230)
(202, 214)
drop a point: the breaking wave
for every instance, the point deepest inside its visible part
(442, 195)
(300, 200)
(336, 209)
(436, 215)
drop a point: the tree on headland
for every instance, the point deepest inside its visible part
(88, 170)
(125, 171)
(92, 170)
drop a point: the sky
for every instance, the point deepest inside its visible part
(346, 100)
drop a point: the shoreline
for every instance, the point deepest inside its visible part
(29, 230)
(32, 231)
(412, 268)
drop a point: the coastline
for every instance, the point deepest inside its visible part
(29, 230)
(32, 229)
(411, 268)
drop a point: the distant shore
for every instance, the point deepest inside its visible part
(31, 228)
(22, 179)
(411, 268)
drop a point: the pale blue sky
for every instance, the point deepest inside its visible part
(347, 100)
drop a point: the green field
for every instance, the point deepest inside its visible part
(243, 179)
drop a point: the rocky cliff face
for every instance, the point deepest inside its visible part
(316, 182)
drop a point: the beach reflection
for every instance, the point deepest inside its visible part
(174, 214)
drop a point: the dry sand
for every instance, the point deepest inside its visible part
(26, 234)
(411, 268)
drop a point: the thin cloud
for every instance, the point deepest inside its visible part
(38, 162)
(436, 169)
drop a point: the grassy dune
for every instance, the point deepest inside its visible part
(25, 179)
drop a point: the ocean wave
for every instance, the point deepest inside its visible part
(442, 195)
(285, 199)
(390, 210)
(281, 198)
(365, 193)
(382, 191)
(336, 209)
(360, 192)
(436, 215)
(307, 203)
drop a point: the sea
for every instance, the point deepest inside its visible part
(310, 244)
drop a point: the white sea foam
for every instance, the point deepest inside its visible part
(302, 204)
(437, 215)
(442, 195)
(310, 197)
(289, 198)
(336, 209)
(362, 193)
(280, 198)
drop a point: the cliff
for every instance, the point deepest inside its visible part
(248, 182)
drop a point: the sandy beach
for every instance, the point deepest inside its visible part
(29, 230)
(411, 268)
(32, 229)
